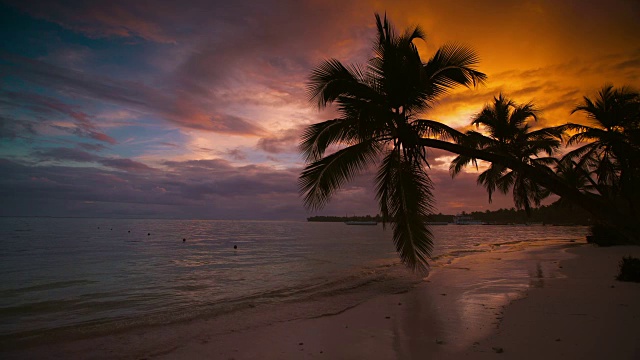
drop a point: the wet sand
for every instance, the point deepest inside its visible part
(556, 301)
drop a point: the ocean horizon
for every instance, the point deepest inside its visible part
(78, 277)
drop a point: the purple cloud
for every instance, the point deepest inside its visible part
(45, 107)
(66, 154)
(181, 110)
(285, 141)
(126, 165)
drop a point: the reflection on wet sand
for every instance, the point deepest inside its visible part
(463, 301)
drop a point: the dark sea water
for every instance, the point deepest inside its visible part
(91, 276)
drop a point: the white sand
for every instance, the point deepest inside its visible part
(587, 315)
(551, 302)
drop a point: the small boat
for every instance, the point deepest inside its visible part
(361, 222)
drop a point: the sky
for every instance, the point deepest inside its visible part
(194, 109)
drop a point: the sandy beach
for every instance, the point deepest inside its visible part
(556, 301)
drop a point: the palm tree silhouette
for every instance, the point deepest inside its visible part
(612, 152)
(380, 105)
(507, 127)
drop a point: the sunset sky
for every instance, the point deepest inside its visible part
(193, 109)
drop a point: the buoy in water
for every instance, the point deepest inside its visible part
(235, 246)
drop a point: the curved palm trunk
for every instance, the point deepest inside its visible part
(592, 203)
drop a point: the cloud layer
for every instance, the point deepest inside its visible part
(161, 108)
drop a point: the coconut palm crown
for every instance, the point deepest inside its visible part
(506, 130)
(610, 150)
(380, 105)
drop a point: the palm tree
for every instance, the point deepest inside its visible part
(612, 152)
(380, 105)
(574, 176)
(507, 127)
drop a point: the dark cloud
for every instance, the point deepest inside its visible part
(215, 187)
(46, 109)
(126, 165)
(102, 18)
(285, 141)
(11, 128)
(631, 63)
(230, 124)
(92, 147)
(136, 95)
(65, 154)
(235, 154)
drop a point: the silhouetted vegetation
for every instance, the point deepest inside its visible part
(381, 107)
(377, 218)
(629, 269)
(603, 235)
(554, 214)
(508, 128)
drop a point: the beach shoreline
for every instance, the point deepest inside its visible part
(475, 306)
(586, 314)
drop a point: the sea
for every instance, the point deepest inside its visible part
(79, 277)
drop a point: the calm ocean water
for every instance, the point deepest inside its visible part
(90, 276)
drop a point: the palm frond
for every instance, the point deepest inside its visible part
(322, 178)
(318, 137)
(522, 194)
(546, 133)
(545, 161)
(369, 119)
(490, 177)
(384, 183)
(459, 163)
(386, 32)
(581, 152)
(331, 79)
(593, 134)
(477, 140)
(523, 113)
(452, 65)
(431, 128)
(505, 182)
(404, 192)
(573, 127)
(413, 33)
(536, 146)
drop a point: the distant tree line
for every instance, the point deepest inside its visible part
(344, 218)
(554, 214)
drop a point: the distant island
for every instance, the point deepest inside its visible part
(376, 218)
(554, 214)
